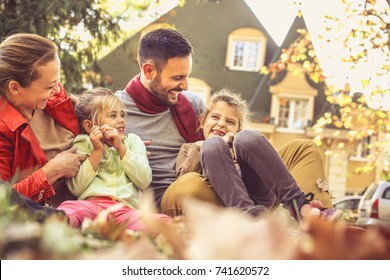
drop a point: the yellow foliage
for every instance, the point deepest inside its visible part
(352, 110)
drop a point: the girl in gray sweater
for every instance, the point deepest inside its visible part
(242, 166)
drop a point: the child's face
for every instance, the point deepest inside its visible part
(114, 117)
(221, 119)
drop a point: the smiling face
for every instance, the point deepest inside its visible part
(171, 80)
(113, 116)
(36, 95)
(221, 119)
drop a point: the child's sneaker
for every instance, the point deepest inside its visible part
(332, 214)
(310, 207)
(301, 207)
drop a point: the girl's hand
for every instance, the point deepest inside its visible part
(96, 137)
(199, 143)
(111, 136)
(229, 137)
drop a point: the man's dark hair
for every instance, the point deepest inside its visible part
(162, 44)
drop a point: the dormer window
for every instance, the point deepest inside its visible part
(246, 50)
(200, 88)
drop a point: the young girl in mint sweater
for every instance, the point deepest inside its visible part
(117, 168)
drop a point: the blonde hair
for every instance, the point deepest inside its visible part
(92, 103)
(232, 99)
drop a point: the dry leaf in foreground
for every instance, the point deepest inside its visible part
(222, 233)
(323, 240)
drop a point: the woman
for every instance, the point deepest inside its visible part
(37, 120)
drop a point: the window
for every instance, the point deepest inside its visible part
(348, 204)
(292, 105)
(386, 194)
(200, 88)
(292, 113)
(246, 50)
(363, 149)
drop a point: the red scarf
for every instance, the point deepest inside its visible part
(183, 113)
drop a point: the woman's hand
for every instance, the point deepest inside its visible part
(65, 164)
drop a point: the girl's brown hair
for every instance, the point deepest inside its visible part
(20, 55)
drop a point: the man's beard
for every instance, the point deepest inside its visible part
(157, 91)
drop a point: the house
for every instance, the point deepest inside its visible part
(230, 46)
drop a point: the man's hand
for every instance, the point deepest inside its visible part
(147, 143)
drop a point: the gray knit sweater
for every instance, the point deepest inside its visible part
(165, 138)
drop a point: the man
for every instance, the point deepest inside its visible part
(160, 110)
